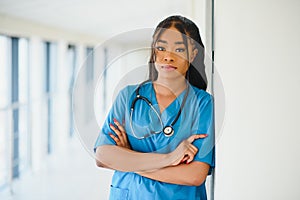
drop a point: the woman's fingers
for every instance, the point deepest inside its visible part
(185, 158)
(184, 153)
(121, 137)
(192, 150)
(196, 136)
(115, 138)
(122, 130)
(190, 154)
(188, 150)
(195, 149)
(118, 138)
(120, 127)
(117, 131)
(190, 159)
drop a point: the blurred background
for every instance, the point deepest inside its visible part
(45, 46)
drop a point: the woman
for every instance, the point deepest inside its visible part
(158, 135)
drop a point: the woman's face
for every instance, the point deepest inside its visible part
(171, 54)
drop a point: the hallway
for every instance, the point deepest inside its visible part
(63, 63)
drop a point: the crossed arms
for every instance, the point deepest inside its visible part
(176, 167)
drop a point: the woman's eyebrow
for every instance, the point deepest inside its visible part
(162, 41)
(179, 42)
(165, 42)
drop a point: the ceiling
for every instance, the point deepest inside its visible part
(97, 18)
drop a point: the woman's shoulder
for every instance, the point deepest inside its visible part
(201, 94)
(128, 89)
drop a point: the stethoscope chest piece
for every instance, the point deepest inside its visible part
(168, 131)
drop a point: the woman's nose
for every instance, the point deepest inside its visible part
(168, 57)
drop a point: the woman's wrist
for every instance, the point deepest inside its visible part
(169, 159)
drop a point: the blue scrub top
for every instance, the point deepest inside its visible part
(196, 117)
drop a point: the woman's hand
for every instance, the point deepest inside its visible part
(185, 152)
(121, 137)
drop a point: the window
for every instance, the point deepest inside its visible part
(30, 104)
(5, 129)
(71, 59)
(14, 152)
(89, 70)
(24, 133)
(15, 105)
(50, 66)
(89, 64)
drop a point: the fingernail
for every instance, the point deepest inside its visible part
(115, 120)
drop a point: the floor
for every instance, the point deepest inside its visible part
(70, 175)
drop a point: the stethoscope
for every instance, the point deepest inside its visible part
(168, 130)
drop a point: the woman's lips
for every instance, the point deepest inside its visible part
(169, 67)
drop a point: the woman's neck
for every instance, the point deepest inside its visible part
(168, 87)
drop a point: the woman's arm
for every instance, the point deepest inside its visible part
(124, 159)
(193, 174)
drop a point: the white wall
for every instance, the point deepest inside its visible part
(257, 55)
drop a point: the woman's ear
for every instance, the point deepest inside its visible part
(193, 54)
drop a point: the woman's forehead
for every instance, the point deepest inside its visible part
(171, 34)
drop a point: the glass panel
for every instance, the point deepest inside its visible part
(24, 140)
(53, 94)
(4, 71)
(89, 64)
(51, 75)
(71, 74)
(5, 50)
(38, 127)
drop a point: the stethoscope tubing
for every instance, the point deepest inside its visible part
(139, 97)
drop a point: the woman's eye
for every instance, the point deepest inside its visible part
(160, 48)
(180, 50)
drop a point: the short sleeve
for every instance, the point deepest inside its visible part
(117, 111)
(204, 124)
